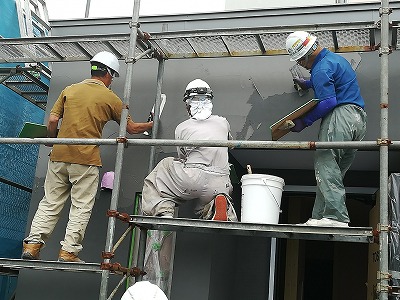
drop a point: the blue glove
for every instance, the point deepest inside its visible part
(302, 83)
(298, 125)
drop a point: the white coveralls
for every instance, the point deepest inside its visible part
(198, 172)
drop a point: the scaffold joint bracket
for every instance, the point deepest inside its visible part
(385, 11)
(382, 227)
(120, 216)
(122, 140)
(146, 35)
(134, 24)
(383, 276)
(118, 269)
(384, 142)
(130, 60)
(375, 234)
(107, 255)
(383, 288)
(385, 50)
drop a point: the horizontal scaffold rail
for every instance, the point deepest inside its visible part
(286, 231)
(17, 264)
(366, 145)
(338, 37)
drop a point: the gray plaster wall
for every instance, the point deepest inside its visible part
(252, 93)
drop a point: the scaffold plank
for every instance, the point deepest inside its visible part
(235, 42)
(286, 231)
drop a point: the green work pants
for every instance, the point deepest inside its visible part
(344, 123)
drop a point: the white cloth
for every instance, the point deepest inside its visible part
(200, 110)
(144, 290)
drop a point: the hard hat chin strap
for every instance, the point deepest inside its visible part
(306, 57)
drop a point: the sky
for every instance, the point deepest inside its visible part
(58, 9)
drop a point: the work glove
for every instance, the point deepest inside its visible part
(302, 83)
(298, 125)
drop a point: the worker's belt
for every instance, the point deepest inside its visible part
(204, 167)
(354, 104)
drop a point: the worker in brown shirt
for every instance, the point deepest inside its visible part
(73, 170)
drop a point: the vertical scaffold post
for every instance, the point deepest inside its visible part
(156, 120)
(142, 250)
(134, 24)
(384, 176)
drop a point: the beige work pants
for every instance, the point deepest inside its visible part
(64, 180)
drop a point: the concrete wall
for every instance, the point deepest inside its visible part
(199, 272)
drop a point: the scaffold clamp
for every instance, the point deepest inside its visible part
(382, 227)
(107, 255)
(385, 10)
(379, 228)
(384, 142)
(120, 216)
(118, 269)
(375, 234)
(124, 140)
(383, 288)
(134, 24)
(383, 275)
(385, 50)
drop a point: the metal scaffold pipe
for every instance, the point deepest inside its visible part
(307, 145)
(134, 24)
(383, 284)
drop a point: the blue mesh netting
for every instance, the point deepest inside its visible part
(17, 162)
(18, 165)
(14, 210)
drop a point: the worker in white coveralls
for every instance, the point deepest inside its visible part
(144, 290)
(73, 170)
(200, 173)
(341, 110)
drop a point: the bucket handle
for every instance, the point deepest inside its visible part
(273, 196)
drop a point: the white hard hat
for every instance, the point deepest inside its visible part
(108, 59)
(197, 87)
(299, 43)
(144, 290)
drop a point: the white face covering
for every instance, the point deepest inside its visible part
(200, 109)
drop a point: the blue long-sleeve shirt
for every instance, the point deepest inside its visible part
(334, 83)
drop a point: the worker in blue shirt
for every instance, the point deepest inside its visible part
(341, 110)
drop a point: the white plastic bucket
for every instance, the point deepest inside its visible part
(261, 198)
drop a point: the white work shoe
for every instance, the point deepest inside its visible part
(311, 222)
(325, 222)
(166, 216)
